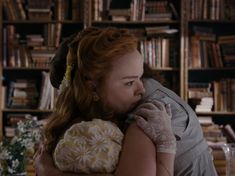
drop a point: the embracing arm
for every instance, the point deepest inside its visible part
(139, 156)
(44, 166)
(154, 119)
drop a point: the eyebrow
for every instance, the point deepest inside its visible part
(129, 77)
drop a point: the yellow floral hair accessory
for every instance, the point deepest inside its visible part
(70, 62)
(68, 73)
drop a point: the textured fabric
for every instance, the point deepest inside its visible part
(155, 120)
(89, 147)
(191, 147)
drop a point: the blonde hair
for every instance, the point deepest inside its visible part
(91, 53)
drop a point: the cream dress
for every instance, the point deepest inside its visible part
(89, 147)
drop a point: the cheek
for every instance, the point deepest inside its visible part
(119, 101)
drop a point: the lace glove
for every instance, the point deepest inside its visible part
(155, 120)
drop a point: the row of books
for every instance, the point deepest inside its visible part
(137, 10)
(29, 94)
(217, 96)
(216, 136)
(22, 94)
(209, 50)
(212, 10)
(19, 10)
(32, 50)
(159, 52)
(43, 10)
(159, 46)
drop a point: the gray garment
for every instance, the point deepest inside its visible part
(192, 156)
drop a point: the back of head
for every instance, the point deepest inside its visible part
(90, 54)
(92, 48)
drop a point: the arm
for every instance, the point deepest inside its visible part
(138, 156)
(44, 166)
(155, 121)
(165, 164)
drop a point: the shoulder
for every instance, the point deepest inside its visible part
(138, 155)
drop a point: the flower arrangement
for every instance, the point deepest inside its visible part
(15, 152)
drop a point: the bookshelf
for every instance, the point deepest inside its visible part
(177, 25)
(210, 68)
(58, 22)
(210, 58)
(30, 34)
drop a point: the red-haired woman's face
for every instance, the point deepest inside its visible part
(123, 87)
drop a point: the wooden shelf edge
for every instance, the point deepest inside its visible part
(216, 113)
(26, 110)
(25, 68)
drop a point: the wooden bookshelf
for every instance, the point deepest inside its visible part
(1, 78)
(184, 16)
(217, 21)
(70, 23)
(205, 63)
(60, 22)
(217, 113)
(184, 19)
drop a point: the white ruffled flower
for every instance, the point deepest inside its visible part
(25, 140)
(89, 147)
(15, 163)
(84, 155)
(4, 155)
(98, 143)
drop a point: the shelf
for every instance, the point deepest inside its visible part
(26, 110)
(40, 22)
(168, 69)
(25, 69)
(212, 69)
(216, 113)
(212, 21)
(137, 22)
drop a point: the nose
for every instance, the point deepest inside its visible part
(140, 88)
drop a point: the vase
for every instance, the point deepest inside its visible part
(229, 151)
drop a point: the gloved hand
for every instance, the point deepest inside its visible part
(155, 120)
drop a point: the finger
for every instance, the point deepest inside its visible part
(147, 105)
(141, 122)
(168, 109)
(148, 114)
(158, 104)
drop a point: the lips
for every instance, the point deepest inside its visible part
(133, 105)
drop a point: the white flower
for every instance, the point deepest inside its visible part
(98, 143)
(4, 155)
(10, 170)
(15, 163)
(98, 165)
(83, 154)
(27, 136)
(21, 126)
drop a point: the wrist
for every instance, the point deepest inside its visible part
(166, 147)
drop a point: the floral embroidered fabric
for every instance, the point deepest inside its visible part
(89, 147)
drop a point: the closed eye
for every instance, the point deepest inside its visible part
(130, 83)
